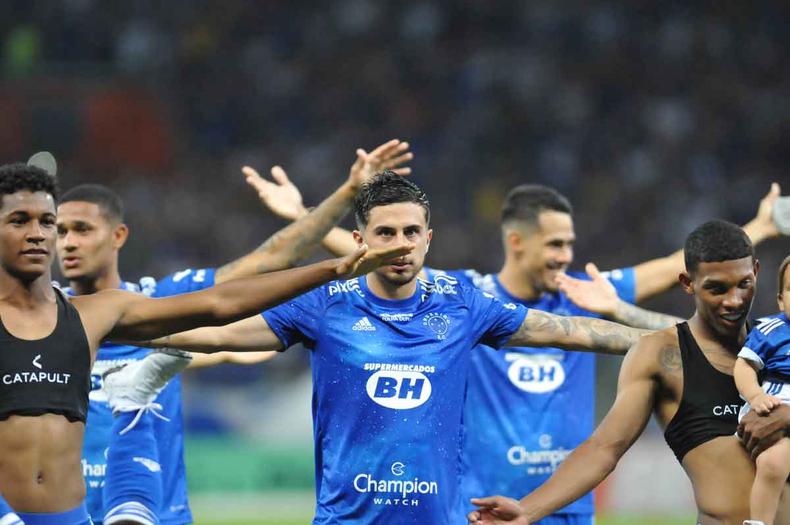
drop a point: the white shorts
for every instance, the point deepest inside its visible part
(776, 389)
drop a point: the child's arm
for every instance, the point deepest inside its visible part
(746, 381)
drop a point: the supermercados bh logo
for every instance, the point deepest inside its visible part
(399, 386)
(538, 462)
(535, 373)
(398, 489)
(438, 324)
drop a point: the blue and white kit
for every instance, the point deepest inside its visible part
(169, 435)
(389, 379)
(767, 348)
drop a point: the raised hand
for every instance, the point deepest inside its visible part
(365, 260)
(764, 218)
(497, 510)
(282, 197)
(390, 155)
(596, 295)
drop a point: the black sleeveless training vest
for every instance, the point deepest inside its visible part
(49, 375)
(710, 403)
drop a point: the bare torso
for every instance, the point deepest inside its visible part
(40, 469)
(720, 470)
(40, 464)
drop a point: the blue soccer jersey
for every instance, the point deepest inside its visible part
(389, 379)
(527, 408)
(768, 345)
(170, 439)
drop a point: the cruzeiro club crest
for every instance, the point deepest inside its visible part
(438, 323)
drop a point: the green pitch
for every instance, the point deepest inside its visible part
(296, 508)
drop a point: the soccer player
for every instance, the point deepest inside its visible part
(549, 392)
(91, 233)
(50, 341)
(684, 375)
(390, 357)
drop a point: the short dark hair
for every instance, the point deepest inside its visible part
(109, 202)
(716, 241)
(782, 271)
(386, 188)
(525, 202)
(20, 177)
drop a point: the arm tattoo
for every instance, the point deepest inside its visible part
(670, 359)
(637, 317)
(535, 322)
(294, 242)
(575, 333)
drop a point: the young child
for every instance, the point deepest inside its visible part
(767, 350)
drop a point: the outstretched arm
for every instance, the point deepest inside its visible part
(250, 335)
(295, 242)
(594, 459)
(575, 333)
(123, 315)
(658, 275)
(229, 358)
(600, 296)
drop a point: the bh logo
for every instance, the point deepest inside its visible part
(399, 390)
(535, 373)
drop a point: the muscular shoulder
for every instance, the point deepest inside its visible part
(658, 352)
(100, 311)
(102, 300)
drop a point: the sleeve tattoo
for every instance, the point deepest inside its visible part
(637, 317)
(575, 333)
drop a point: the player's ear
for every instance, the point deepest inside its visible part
(358, 237)
(513, 240)
(119, 236)
(686, 283)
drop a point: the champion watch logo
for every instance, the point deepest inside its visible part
(363, 325)
(36, 363)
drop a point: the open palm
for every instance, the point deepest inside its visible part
(282, 197)
(388, 156)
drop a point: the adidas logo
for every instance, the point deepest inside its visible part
(363, 325)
